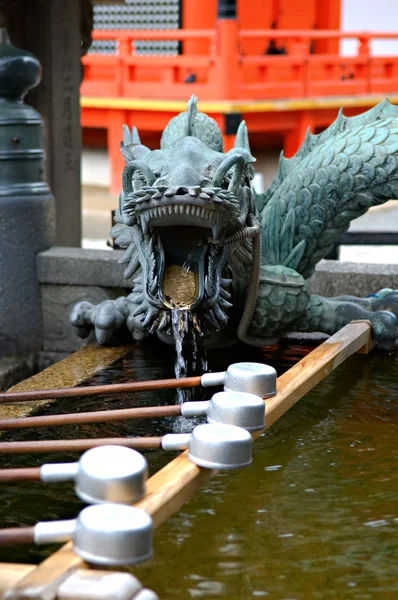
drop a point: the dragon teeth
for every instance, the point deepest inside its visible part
(224, 294)
(224, 303)
(212, 320)
(150, 316)
(220, 315)
(164, 321)
(154, 285)
(144, 198)
(145, 223)
(140, 311)
(216, 229)
(225, 282)
(170, 209)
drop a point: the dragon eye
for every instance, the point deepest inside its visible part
(226, 181)
(138, 182)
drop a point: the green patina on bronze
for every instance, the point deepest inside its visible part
(190, 203)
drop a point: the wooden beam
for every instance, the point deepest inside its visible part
(11, 573)
(173, 485)
(53, 34)
(82, 583)
(314, 367)
(43, 582)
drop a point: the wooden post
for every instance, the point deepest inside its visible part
(53, 34)
(116, 120)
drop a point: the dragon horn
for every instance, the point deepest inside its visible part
(191, 114)
(135, 138)
(126, 136)
(131, 147)
(242, 137)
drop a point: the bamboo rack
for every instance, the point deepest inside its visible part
(173, 485)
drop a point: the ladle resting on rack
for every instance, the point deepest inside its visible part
(242, 377)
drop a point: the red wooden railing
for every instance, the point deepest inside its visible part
(225, 71)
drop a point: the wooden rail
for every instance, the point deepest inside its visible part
(173, 485)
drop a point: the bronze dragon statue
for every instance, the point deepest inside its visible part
(190, 209)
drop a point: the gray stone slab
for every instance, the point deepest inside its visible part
(77, 266)
(334, 278)
(58, 301)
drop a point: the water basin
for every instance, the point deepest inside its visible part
(314, 517)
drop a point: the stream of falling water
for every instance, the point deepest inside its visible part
(182, 325)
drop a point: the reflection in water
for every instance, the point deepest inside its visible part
(315, 517)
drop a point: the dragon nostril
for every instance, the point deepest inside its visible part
(181, 191)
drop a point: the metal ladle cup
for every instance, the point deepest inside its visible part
(231, 408)
(214, 446)
(103, 474)
(250, 377)
(104, 534)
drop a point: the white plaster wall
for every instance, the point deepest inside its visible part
(370, 15)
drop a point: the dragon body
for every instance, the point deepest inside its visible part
(191, 206)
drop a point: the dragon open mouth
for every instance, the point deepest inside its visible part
(182, 258)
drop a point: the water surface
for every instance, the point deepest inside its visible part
(314, 517)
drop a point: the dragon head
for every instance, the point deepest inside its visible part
(180, 215)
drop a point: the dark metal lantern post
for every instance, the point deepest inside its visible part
(27, 214)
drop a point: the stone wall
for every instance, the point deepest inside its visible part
(335, 278)
(68, 275)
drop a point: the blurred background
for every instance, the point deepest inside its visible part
(281, 65)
